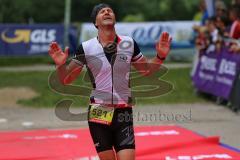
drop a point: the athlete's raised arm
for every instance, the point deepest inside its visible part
(147, 67)
(66, 73)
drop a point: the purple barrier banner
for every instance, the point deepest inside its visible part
(22, 39)
(216, 72)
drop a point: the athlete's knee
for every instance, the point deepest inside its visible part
(126, 154)
(107, 155)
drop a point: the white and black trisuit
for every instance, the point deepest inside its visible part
(109, 69)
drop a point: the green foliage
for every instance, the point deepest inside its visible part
(45, 11)
(133, 18)
(23, 11)
(16, 11)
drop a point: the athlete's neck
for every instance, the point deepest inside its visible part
(106, 35)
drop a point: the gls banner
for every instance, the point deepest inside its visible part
(31, 39)
(216, 72)
(147, 33)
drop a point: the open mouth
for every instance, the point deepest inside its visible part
(107, 18)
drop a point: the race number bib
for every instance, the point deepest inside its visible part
(101, 114)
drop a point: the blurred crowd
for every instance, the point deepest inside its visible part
(222, 29)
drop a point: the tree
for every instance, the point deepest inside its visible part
(52, 11)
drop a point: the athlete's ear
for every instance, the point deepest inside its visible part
(96, 25)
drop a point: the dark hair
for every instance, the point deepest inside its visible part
(96, 9)
(212, 19)
(236, 10)
(224, 19)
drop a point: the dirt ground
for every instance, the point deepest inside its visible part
(9, 95)
(207, 119)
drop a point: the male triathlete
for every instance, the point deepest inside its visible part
(108, 58)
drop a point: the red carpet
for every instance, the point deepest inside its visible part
(152, 143)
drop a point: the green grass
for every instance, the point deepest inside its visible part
(182, 91)
(23, 61)
(6, 61)
(38, 81)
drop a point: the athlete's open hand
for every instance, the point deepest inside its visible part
(57, 54)
(163, 45)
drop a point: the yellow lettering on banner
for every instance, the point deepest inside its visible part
(21, 35)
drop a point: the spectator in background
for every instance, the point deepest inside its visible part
(234, 16)
(220, 8)
(202, 39)
(235, 47)
(236, 2)
(202, 14)
(223, 24)
(214, 38)
(199, 30)
(222, 29)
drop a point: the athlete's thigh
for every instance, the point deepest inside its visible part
(126, 154)
(123, 130)
(101, 136)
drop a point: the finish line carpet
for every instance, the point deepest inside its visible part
(152, 143)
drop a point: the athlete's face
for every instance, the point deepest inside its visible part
(105, 17)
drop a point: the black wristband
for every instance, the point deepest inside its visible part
(161, 58)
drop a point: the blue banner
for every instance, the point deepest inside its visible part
(216, 73)
(34, 39)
